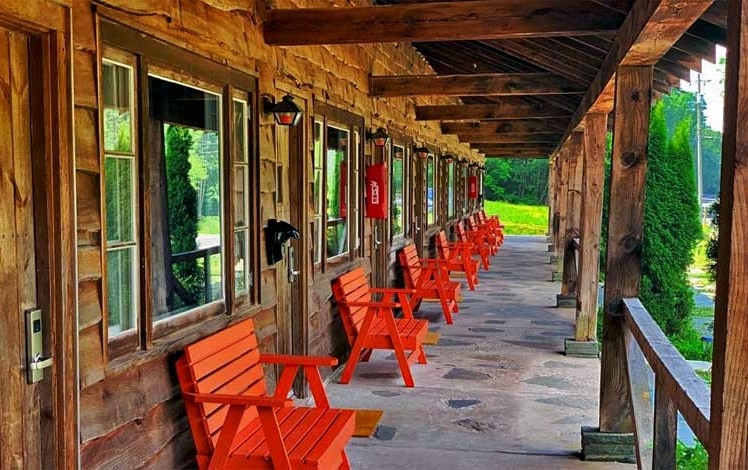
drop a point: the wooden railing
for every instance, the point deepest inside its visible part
(653, 361)
(205, 254)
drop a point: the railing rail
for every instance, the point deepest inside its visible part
(676, 386)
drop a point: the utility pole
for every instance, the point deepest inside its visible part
(699, 186)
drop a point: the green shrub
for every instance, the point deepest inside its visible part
(688, 342)
(691, 457)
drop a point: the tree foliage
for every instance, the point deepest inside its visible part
(671, 225)
(182, 206)
(517, 180)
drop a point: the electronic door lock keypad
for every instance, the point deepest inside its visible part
(35, 361)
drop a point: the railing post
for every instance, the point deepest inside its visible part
(728, 446)
(625, 228)
(206, 274)
(665, 429)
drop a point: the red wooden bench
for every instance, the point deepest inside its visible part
(484, 232)
(429, 279)
(481, 246)
(235, 424)
(371, 324)
(458, 257)
(494, 223)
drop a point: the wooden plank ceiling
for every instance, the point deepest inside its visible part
(512, 62)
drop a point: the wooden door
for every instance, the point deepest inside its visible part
(292, 206)
(21, 402)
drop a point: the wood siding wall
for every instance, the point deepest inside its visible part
(131, 415)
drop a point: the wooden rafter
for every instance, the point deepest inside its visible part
(649, 31)
(518, 126)
(495, 84)
(499, 110)
(445, 21)
(512, 138)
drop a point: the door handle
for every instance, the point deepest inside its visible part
(416, 227)
(292, 271)
(40, 363)
(377, 242)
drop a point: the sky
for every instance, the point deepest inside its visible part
(712, 87)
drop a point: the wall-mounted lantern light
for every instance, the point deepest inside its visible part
(463, 163)
(399, 153)
(421, 152)
(447, 158)
(380, 137)
(286, 113)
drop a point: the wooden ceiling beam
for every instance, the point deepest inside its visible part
(495, 84)
(517, 126)
(552, 63)
(650, 29)
(518, 154)
(526, 145)
(500, 110)
(439, 21)
(512, 138)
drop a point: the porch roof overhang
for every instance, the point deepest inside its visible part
(514, 61)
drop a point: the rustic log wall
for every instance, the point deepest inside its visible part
(131, 416)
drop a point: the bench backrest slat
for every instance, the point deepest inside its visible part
(442, 245)
(411, 265)
(225, 362)
(352, 286)
(460, 231)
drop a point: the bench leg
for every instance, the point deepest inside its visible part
(366, 355)
(344, 464)
(357, 348)
(445, 307)
(421, 355)
(397, 345)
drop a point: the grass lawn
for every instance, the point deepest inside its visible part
(520, 219)
(209, 225)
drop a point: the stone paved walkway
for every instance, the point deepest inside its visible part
(497, 392)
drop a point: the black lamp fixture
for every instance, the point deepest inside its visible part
(421, 152)
(447, 158)
(286, 112)
(380, 137)
(399, 153)
(463, 163)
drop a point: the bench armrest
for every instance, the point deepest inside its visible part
(243, 400)
(393, 290)
(373, 304)
(436, 261)
(298, 360)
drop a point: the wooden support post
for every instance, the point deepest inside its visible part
(595, 127)
(562, 183)
(551, 198)
(625, 226)
(728, 446)
(573, 213)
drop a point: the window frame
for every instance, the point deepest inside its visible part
(404, 206)
(432, 184)
(156, 58)
(330, 116)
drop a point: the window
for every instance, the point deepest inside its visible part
(338, 176)
(451, 190)
(317, 193)
(120, 162)
(397, 197)
(430, 191)
(337, 220)
(240, 154)
(195, 211)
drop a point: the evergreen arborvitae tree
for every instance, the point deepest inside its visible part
(182, 205)
(671, 225)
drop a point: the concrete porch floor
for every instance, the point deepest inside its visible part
(497, 391)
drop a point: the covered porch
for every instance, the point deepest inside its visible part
(498, 391)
